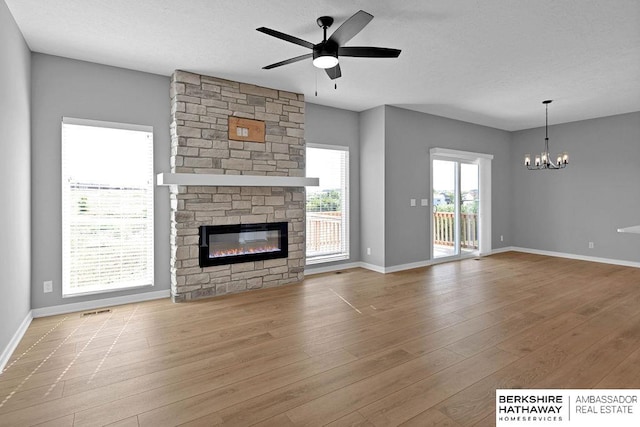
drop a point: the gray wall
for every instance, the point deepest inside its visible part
(15, 244)
(588, 201)
(372, 185)
(409, 136)
(65, 87)
(333, 126)
(389, 165)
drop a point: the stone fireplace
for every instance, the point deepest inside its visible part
(200, 147)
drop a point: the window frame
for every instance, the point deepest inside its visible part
(345, 204)
(150, 218)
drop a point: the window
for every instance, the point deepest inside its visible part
(107, 206)
(328, 204)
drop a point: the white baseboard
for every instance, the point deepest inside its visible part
(99, 303)
(500, 250)
(15, 340)
(372, 267)
(409, 266)
(395, 268)
(359, 264)
(309, 271)
(426, 263)
(578, 257)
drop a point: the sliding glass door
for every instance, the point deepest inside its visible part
(455, 207)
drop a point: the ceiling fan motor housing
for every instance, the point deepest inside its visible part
(326, 48)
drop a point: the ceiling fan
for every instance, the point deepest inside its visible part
(326, 53)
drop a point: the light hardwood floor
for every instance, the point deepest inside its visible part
(423, 347)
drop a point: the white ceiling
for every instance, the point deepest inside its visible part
(490, 62)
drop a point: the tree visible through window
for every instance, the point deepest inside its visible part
(107, 203)
(327, 205)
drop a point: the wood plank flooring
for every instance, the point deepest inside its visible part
(422, 347)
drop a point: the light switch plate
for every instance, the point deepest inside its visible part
(424, 202)
(413, 202)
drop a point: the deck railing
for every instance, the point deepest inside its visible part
(324, 232)
(444, 229)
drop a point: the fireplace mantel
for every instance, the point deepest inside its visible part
(235, 180)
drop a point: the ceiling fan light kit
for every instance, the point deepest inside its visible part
(325, 60)
(326, 53)
(543, 160)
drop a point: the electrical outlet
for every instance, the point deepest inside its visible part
(48, 286)
(368, 251)
(590, 245)
(501, 238)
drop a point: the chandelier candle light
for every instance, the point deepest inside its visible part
(543, 161)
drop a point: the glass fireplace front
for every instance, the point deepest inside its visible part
(230, 244)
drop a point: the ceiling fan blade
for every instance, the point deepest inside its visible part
(369, 52)
(288, 61)
(351, 27)
(285, 37)
(334, 72)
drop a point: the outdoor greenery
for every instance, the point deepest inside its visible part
(324, 201)
(468, 207)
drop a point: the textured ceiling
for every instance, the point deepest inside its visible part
(490, 62)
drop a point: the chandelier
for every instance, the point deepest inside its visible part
(543, 160)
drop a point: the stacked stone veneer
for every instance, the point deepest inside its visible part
(200, 107)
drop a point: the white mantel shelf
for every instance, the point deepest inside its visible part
(633, 229)
(235, 180)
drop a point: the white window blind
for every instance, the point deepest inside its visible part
(327, 205)
(107, 206)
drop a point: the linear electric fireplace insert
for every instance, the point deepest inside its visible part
(230, 244)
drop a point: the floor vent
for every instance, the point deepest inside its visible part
(93, 313)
